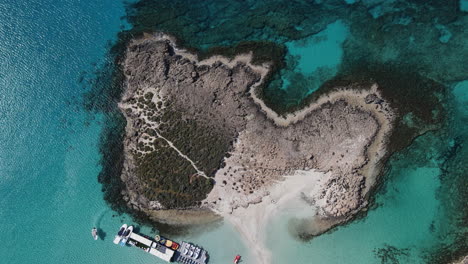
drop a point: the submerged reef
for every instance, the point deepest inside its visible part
(390, 254)
(409, 49)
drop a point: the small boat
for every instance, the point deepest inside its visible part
(191, 250)
(126, 235)
(237, 259)
(196, 254)
(119, 235)
(175, 245)
(168, 243)
(94, 233)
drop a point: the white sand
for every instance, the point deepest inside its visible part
(251, 222)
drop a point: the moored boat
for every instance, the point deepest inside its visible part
(119, 235)
(175, 245)
(126, 235)
(94, 233)
(190, 253)
(196, 253)
(161, 247)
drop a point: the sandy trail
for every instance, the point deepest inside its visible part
(199, 172)
(251, 222)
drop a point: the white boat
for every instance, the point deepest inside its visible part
(186, 249)
(126, 235)
(196, 253)
(94, 233)
(119, 235)
(191, 250)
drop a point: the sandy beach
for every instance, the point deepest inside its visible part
(251, 221)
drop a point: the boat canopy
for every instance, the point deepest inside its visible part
(141, 239)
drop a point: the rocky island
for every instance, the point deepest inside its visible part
(200, 143)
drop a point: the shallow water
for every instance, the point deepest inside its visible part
(317, 57)
(403, 220)
(412, 213)
(49, 157)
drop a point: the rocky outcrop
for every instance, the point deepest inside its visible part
(197, 125)
(181, 121)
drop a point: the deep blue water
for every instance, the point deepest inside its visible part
(49, 159)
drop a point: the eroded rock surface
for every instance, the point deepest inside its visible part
(194, 125)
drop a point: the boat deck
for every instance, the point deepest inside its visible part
(186, 254)
(164, 249)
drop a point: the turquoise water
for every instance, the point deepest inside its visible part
(412, 213)
(49, 157)
(316, 57)
(403, 221)
(464, 5)
(323, 49)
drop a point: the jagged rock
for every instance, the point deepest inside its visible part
(373, 99)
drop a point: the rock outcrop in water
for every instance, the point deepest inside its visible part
(393, 43)
(194, 125)
(182, 119)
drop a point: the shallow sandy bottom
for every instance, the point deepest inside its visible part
(287, 196)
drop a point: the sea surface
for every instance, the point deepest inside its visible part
(49, 144)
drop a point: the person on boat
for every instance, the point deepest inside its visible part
(94, 232)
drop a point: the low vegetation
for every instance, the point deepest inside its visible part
(170, 179)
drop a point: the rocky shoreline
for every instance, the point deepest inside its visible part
(343, 134)
(179, 109)
(164, 122)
